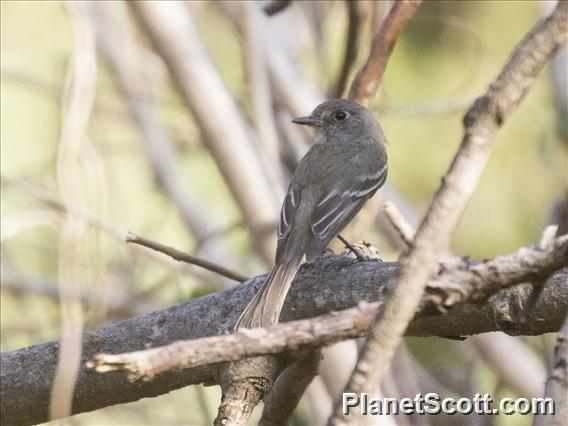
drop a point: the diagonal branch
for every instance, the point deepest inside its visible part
(369, 77)
(186, 257)
(481, 123)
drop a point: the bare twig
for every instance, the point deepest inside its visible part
(454, 285)
(275, 6)
(398, 222)
(284, 396)
(351, 47)
(557, 382)
(186, 257)
(369, 77)
(481, 125)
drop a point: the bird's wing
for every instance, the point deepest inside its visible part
(288, 211)
(337, 207)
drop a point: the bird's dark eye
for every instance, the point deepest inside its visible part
(340, 115)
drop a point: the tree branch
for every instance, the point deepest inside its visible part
(481, 123)
(284, 396)
(369, 77)
(275, 6)
(226, 133)
(319, 289)
(351, 47)
(186, 257)
(557, 383)
(455, 284)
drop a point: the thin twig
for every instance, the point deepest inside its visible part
(369, 77)
(481, 123)
(186, 257)
(557, 382)
(351, 47)
(399, 223)
(275, 6)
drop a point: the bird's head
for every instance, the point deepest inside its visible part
(340, 119)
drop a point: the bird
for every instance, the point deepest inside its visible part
(345, 167)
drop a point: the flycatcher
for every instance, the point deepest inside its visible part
(341, 171)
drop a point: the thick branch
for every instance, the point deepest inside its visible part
(458, 283)
(333, 283)
(482, 123)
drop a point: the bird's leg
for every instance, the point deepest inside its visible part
(350, 246)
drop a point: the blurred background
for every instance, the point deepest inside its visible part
(104, 130)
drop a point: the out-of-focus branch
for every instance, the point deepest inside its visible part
(274, 6)
(186, 257)
(351, 47)
(399, 223)
(557, 382)
(17, 283)
(117, 45)
(288, 389)
(78, 171)
(256, 59)
(226, 134)
(527, 368)
(481, 123)
(369, 77)
(456, 283)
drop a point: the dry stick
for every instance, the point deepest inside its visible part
(351, 47)
(369, 77)
(557, 382)
(186, 257)
(481, 124)
(275, 6)
(398, 222)
(459, 282)
(280, 402)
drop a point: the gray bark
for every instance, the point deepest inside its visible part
(333, 283)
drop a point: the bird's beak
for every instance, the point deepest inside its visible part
(308, 121)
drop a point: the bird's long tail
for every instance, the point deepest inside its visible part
(264, 309)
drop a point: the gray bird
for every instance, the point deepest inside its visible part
(342, 170)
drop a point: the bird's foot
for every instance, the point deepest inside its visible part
(363, 251)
